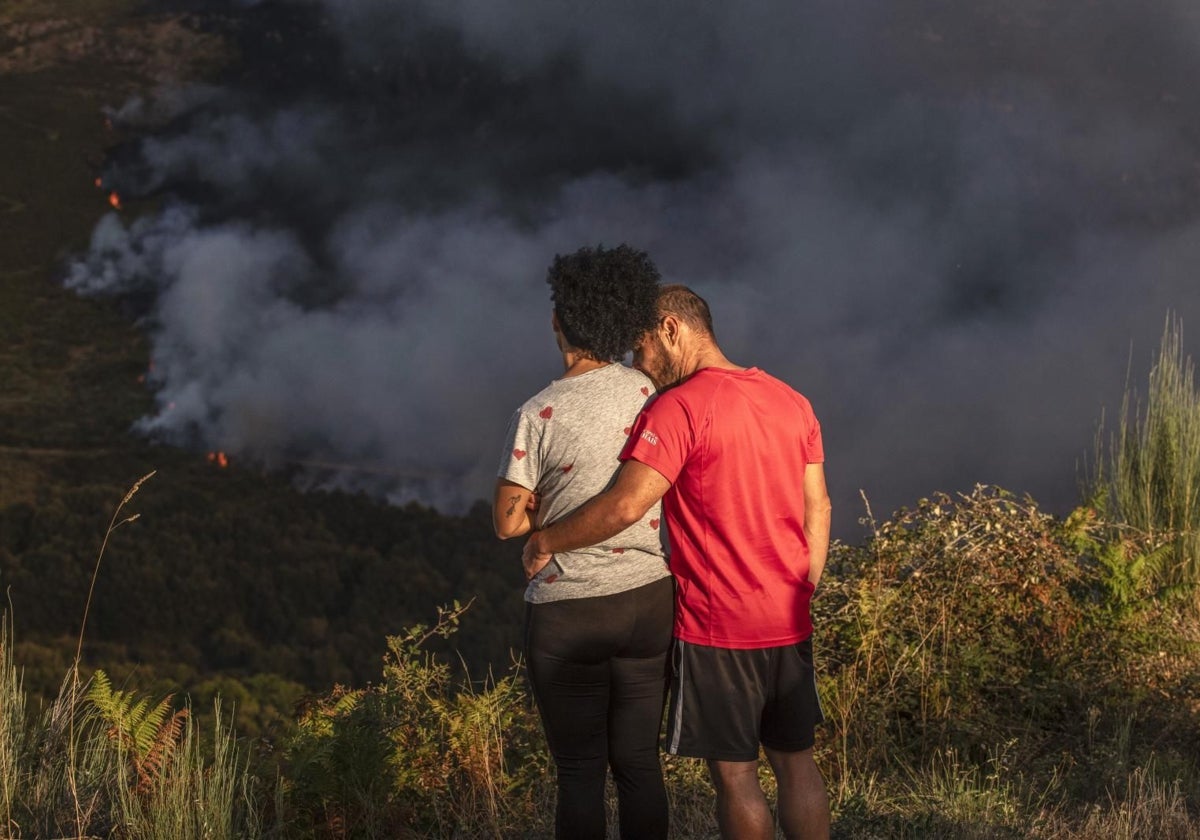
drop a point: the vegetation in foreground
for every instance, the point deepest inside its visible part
(988, 671)
(981, 679)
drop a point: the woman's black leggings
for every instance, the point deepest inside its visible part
(599, 672)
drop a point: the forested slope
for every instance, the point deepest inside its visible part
(230, 577)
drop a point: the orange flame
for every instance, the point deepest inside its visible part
(114, 200)
(218, 458)
(99, 182)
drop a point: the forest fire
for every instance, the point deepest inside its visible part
(114, 198)
(220, 459)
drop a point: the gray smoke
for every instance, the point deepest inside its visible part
(946, 225)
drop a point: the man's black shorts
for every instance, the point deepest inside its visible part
(724, 702)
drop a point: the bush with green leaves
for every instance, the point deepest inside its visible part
(960, 622)
(422, 754)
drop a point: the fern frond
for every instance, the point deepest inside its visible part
(157, 756)
(146, 723)
(100, 690)
(146, 734)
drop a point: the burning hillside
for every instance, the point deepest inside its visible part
(924, 215)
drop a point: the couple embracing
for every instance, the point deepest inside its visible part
(728, 461)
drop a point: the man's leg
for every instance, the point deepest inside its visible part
(803, 803)
(742, 812)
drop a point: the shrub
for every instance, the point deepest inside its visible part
(959, 624)
(421, 754)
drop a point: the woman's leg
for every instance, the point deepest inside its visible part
(635, 718)
(572, 692)
(639, 683)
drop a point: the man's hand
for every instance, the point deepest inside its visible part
(533, 558)
(636, 489)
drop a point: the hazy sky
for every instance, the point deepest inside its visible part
(953, 226)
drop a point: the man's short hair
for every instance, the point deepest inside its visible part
(604, 299)
(687, 306)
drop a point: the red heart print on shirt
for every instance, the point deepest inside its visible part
(519, 454)
(546, 412)
(645, 391)
(654, 523)
(568, 468)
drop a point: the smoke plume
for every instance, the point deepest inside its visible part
(945, 224)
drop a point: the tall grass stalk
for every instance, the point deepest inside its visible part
(115, 523)
(1153, 481)
(1150, 807)
(12, 726)
(968, 794)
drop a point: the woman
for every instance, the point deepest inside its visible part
(597, 620)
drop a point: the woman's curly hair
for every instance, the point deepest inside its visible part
(605, 299)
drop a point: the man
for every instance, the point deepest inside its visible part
(737, 459)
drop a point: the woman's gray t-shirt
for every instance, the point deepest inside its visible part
(564, 444)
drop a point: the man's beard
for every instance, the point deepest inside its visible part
(667, 373)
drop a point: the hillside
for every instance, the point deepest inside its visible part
(228, 574)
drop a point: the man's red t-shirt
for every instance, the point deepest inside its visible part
(734, 444)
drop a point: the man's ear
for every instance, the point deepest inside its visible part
(671, 328)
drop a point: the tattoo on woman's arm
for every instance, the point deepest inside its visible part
(512, 504)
